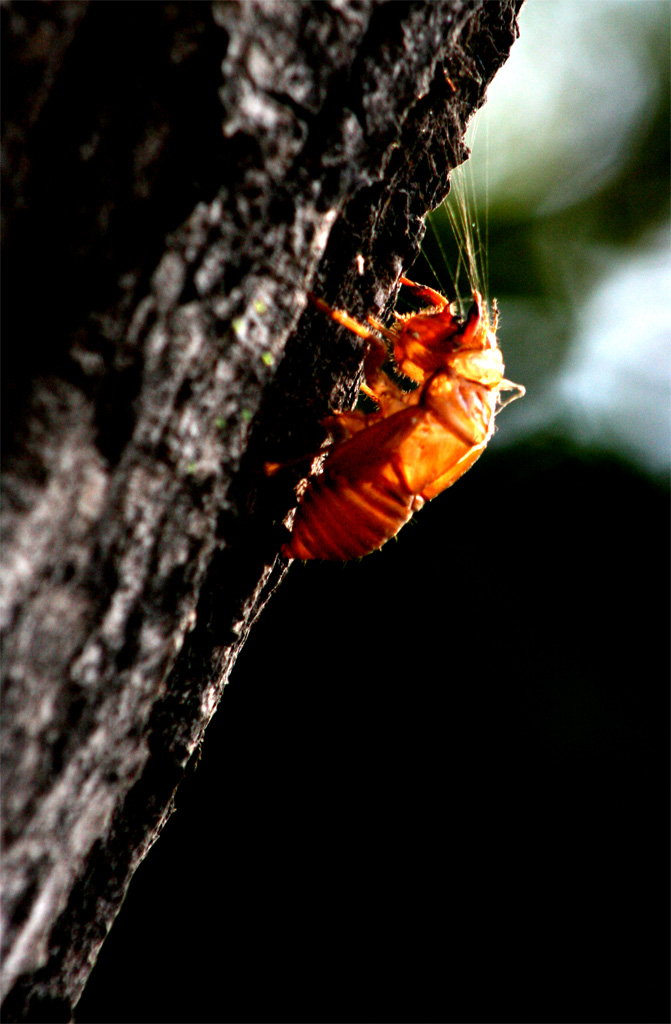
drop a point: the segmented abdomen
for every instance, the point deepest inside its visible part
(340, 518)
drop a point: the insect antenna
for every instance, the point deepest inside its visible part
(518, 391)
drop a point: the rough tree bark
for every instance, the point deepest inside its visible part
(176, 180)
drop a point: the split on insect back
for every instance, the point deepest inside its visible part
(381, 467)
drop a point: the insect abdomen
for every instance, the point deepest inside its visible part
(340, 519)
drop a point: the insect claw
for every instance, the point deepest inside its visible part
(423, 291)
(473, 319)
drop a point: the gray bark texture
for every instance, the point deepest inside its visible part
(177, 177)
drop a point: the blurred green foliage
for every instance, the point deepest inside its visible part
(568, 184)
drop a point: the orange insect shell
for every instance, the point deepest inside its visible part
(383, 466)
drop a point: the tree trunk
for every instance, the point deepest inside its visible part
(176, 181)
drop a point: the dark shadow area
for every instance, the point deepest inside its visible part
(437, 784)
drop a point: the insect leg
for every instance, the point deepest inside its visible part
(429, 295)
(377, 385)
(342, 318)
